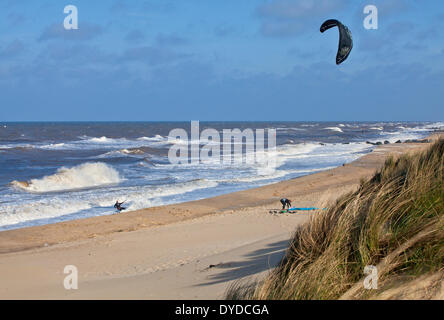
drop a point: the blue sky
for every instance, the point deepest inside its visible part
(152, 60)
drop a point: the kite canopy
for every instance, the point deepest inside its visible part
(345, 39)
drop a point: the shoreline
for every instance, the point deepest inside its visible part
(192, 250)
(21, 239)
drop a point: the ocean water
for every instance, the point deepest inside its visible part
(52, 172)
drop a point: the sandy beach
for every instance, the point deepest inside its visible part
(192, 250)
(146, 146)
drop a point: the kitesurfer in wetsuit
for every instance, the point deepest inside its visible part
(285, 202)
(118, 205)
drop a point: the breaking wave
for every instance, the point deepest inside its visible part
(336, 129)
(83, 176)
(157, 137)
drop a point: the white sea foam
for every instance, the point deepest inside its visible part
(86, 175)
(17, 146)
(53, 146)
(276, 174)
(406, 133)
(310, 125)
(296, 149)
(438, 125)
(101, 140)
(123, 152)
(157, 137)
(140, 198)
(92, 143)
(290, 129)
(178, 141)
(337, 129)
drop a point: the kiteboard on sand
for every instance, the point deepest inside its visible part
(293, 210)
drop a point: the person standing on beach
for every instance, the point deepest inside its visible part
(285, 202)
